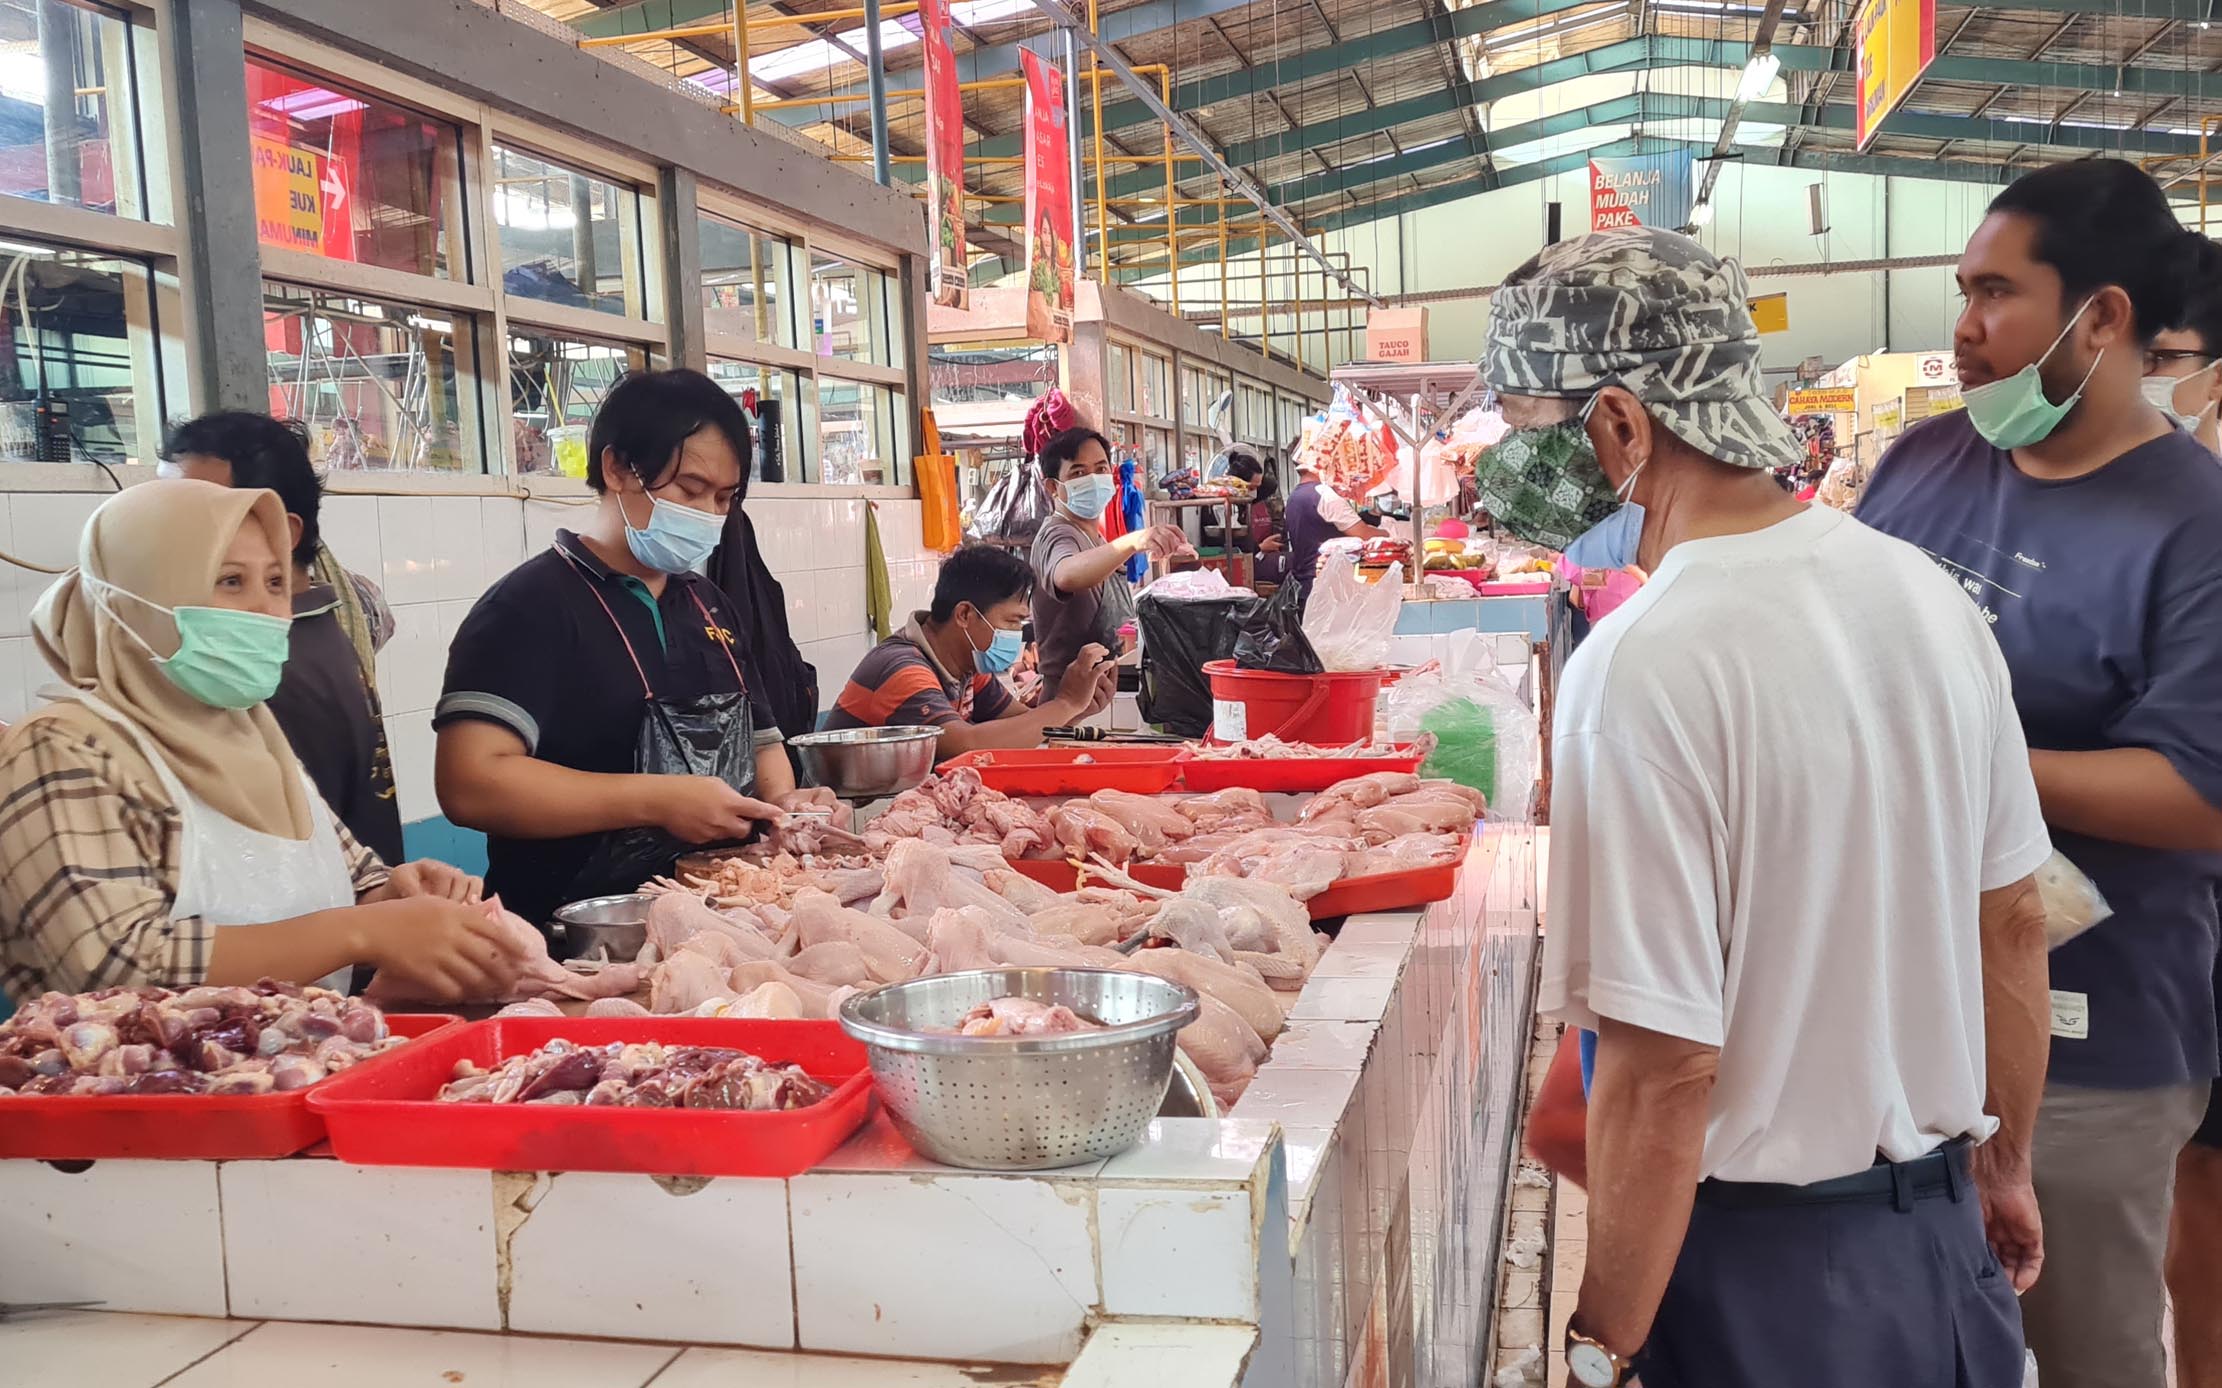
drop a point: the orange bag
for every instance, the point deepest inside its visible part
(936, 472)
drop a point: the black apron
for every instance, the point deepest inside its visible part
(709, 735)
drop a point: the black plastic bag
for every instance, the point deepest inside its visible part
(1272, 638)
(1177, 638)
(1014, 508)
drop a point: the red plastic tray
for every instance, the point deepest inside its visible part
(1059, 770)
(188, 1127)
(390, 1118)
(1290, 774)
(1386, 891)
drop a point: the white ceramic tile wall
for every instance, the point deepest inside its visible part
(988, 1267)
(632, 1257)
(434, 556)
(133, 1235)
(394, 1245)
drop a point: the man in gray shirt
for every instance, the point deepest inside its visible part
(1082, 596)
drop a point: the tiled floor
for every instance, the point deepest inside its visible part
(128, 1351)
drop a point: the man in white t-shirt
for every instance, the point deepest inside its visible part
(1793, 836)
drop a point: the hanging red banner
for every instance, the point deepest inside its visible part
(949, 275)
(1049, 292)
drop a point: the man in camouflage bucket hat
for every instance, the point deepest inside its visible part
(1791, 887)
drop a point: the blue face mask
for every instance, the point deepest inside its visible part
(1612, 542)
(1088, 497)
(677, 539)
(1001, 654)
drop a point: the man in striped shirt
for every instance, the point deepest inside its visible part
(943, 668)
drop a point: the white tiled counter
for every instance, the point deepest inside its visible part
(1359, 1251)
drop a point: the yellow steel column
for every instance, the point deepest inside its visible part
(1172, 195)
(1103, 208)
(1223, 272)
(743, 93)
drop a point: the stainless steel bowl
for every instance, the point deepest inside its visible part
(867, 763)
(1022, 1103)
(613, 927)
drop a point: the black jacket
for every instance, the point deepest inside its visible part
(775, 664)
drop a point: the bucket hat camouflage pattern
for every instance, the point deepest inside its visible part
(1650, 311)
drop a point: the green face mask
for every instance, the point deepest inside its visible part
(2012, 412)
(225, 659)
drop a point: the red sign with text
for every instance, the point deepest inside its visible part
(949, 273)
(1049, 245)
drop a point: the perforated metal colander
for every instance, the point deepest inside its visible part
(1004, 1103)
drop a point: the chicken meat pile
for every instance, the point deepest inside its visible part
(1021, 1017)
(1271, 748)
(638, 1075)
(270, 1038)
(959, 809)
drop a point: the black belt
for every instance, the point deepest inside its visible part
(1896, 1183)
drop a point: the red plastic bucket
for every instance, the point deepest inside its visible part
(1332, 709)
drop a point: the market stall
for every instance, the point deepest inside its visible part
(1338, 1211)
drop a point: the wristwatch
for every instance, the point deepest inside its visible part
(1590, 1365)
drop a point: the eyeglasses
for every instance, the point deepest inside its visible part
(2157, 357)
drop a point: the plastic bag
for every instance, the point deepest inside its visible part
(1014, 508)
(1272, 638)
(1193, 585)
(1486, 736)
(1350, 621)
(2072, 901)
(1178, 636)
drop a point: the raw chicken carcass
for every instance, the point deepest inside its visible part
(1237, 807)
(817, 998)
(688, 978)
(921, 877)
(1222, 1045)
(1305, 863)
(1413, 815)
(1261, 918)
(1358, 792)
(1235, 985)
(1082, 831)
(1194, 926)
(1021, 1017)
(675, 918)
(615, 1007)
(1022, 891)
(1409, 851)
(889, 955)
(1151, 822)
(970, 939)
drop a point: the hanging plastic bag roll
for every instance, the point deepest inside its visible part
(1484, 734)
(1349, 621)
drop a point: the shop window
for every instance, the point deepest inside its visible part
(555, 385)
(567, 237)
(1157, 397)
(850, 314)
(79, 333)
(1118, 374)
(1157, 452)
(861, 437)
(987, 374)
(68, 121)
(351, 177)
(748, 282)
(375, 383)
(773, 400)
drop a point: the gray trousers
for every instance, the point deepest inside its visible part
(2105, 1165)
(1842, 1295)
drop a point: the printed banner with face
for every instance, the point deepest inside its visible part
(1049, 247)
(949, 274)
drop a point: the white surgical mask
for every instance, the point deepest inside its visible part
(2160, 393)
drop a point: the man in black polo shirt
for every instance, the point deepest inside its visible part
(553, 675)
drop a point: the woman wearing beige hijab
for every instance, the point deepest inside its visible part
(155, 827)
